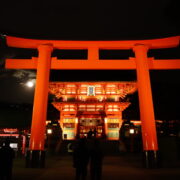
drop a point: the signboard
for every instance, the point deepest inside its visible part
(91, 91)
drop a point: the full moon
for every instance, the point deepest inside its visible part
(30, 84)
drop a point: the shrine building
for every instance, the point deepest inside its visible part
(96, 106)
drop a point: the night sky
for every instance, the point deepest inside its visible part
(92, 20)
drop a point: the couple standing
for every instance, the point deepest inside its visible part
(88, 151)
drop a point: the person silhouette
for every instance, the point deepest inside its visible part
(94, 133)
(81, 159)
(7, 155)
(96, 159)
(90, 134)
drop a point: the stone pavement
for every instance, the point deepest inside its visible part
(124, 167)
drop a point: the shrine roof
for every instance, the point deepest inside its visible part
(119, 88)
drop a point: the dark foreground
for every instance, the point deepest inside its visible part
(125, 167)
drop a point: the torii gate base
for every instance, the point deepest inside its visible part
(151, 159)
(35, 159)
(141, 63)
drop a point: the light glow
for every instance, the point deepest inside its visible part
(105, 120)
(29, 84)
(76, 121)
(49, 131)
(131, 131)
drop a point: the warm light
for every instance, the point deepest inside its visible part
(131, 131)
(76, 120)
(136, 123)
(47, 122)
(6, 130)
(105, 120)
(49, 131)
(29, 84)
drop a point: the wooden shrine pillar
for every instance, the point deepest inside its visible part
(36, 153)
(149, 136)
(105, 127)
(76, 127)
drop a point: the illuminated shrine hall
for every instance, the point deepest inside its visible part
(96, 106)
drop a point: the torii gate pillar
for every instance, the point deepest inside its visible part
(149, 137)
(36, 153)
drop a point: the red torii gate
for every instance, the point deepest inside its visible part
(141, 63)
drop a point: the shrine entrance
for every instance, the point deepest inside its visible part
(141, 63)
(96, 125)
(86, 106)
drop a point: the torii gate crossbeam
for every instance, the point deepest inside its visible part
(141, 63)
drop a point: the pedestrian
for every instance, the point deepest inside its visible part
(90, 134)
(94, 133)
(96, 160)
(81, 159)
(7, 155)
